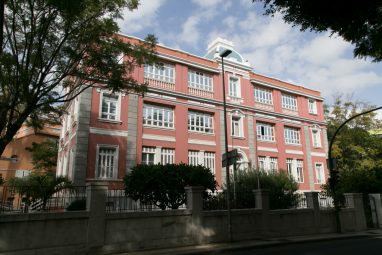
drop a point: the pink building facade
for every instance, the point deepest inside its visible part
(273, 124)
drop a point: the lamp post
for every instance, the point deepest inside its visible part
(332, 168)
(224, 54)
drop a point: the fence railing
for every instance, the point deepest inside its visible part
(238, 200)
(117, 201)
(19, 199)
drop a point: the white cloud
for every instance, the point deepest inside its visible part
(141, 18)
(207, 3)
(190, 33)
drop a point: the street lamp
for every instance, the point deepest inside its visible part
(333, 169)
(224, 54)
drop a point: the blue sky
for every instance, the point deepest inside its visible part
(274, 48)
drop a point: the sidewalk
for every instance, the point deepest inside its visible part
(207, 248)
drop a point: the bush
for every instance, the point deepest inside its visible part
(77, 205)
(281, 187)
(163, 185)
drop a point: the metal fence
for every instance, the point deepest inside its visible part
(14, 199)
(238, 200)
(325, 201)
(117, 201)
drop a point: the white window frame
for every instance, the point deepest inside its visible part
(200, 122)
(161, 71)
(164, 116)
(292, 135)
(312, 106)
(316, 137)
(234, 89)
(289, 102)
(167, 156)
(159, 155)
(295, 169)
(320, 173)
(204, 158)
(108, 114)
(265, 131)
(237, 127)
(146, 150)
(114, 171)
(263, 96)
(267, 164)
(300, 170)
(199, 80)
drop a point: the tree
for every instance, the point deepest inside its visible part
(163, 185)
(359, 23)
(52, 50)
(39, 186)
(44, 155)
(355, 147)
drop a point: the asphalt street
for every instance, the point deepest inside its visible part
(352, 246)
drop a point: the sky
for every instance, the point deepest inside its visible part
(275, 49)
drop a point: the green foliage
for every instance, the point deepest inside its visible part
(281, 187)
(355, 146)
(356, 22)
(52, 50)
(39, 186)
(77, 205)
(44, 155)
(163, 185)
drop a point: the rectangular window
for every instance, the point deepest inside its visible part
(237, 126)
(234, 87)
(268, 164)
(263, 96)
(290, 167)
(295, 169)
(316, 137)
(167, 156)
(148, 155)
(265, 132)
(312, 106)
(158, 116)
(289, 102)
(320, 175)
(200, 122)
(157, 155)
(199, 80)
(161, 71)
(109, 107)
(203, 158)
(107, 162)
(292, 135)
(300, 171)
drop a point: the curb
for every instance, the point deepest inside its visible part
(250, 244)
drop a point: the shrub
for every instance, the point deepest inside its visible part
(163, 185)
(281, 187)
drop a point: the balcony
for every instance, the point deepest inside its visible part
(200, 92)
(159, 84)
(235, 100)
(290, 112)
(267, 107)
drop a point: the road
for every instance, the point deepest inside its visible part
(353, 246)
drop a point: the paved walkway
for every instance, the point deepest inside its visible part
(207, 248)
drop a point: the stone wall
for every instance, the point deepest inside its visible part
(98, 232)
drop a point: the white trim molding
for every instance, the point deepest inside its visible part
(294, 152)
(159, 137)
(101, 131)
(201, 142)
(260, 148)
(318, 154)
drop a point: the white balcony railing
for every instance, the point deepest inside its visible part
(200, 92)
(159, 84)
